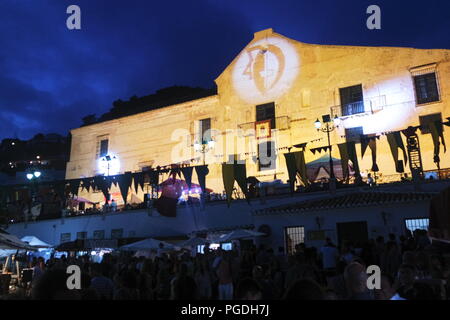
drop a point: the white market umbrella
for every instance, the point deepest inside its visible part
(147, 244)
(239, 234)
(193, 242)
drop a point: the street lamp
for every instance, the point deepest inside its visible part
(31, 176)
(109, 164)
(329, 127)
(204, 147)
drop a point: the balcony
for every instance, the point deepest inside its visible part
(281, 123)
(366, 106)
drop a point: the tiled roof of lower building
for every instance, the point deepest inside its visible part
(360, 199)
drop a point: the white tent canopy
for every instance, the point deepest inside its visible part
(147, 244)
(238, 234)
(35, 242)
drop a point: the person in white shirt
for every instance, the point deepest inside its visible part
(330, 255)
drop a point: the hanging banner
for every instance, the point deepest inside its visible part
(301, 166)
(292, 169)
(228, 180)
(187, 173)
(395, 142)
(343, 151)
(124, 181)
(87, 183)
(240, 175)
(138, 179)
(347, 151)
(202, 172)
(437, 133)
(74, 186)
(295, 163)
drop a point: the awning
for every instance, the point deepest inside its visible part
(9, 241)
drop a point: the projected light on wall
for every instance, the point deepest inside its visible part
(108, 165)
(265, 70)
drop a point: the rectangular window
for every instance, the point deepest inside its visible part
(104, 147)
(266, 156)
(82, 235)
(99, 234)
(419, 223)
(426, 120)
(266, 112)
(293, 236)
(426, 88)
(354, 134)
(352, 101)
(205, 129)
(65, 237)
(116, 233)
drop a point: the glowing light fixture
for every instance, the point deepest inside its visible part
(29, 176)
(317, 124)
(109, 165)
(37, 174)
(336, 121)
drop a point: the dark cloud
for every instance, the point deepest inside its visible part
(51, 77)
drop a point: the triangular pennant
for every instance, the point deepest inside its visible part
(351, 149)
(124, 181)
(364, 144)
(345, 157)
(187, 173)
(87, 184)
(228, 180)
(101, 183)
(74, 186)
(373, 148)
(292, 169)
(240, 175)
(154, 177)
(301, 166)
(202, 172)
(138, 179)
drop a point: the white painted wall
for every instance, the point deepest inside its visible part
(396, 215)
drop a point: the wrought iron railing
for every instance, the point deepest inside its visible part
(281, 123)
(367, 105)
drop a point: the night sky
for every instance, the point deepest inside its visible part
(51, 76)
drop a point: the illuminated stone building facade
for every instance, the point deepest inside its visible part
(289, 84)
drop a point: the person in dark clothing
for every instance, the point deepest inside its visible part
(305, 289)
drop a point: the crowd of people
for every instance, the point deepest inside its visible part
(411, 269)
